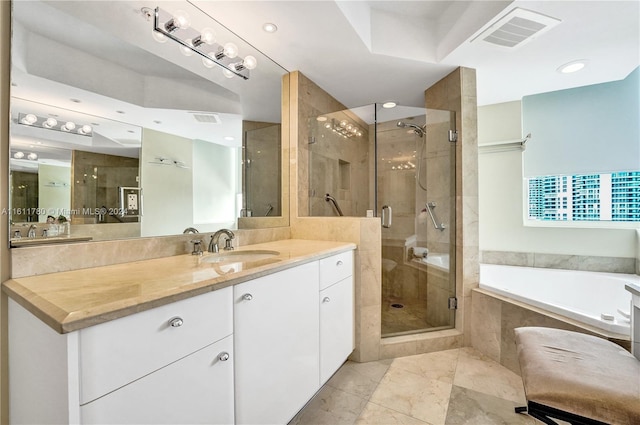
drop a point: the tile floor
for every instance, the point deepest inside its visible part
(458, 386)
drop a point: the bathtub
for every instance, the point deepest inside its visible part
(435, 259)
(593, 298)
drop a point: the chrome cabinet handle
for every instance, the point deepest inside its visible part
(339, 263)
(247, 297)
(176, 322)
(326, 300)
(223, 357)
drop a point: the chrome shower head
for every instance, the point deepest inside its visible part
(416, 128)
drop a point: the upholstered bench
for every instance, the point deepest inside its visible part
(578, 378)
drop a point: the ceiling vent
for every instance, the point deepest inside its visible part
(516, 28)
(206, 117)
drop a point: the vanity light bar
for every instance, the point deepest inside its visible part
(191, 39)
(50, 123)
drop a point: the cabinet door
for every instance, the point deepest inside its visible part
(336, 327)
(197, 389)
(276, 328)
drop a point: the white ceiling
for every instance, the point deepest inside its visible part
(361, 52)
(372, 51)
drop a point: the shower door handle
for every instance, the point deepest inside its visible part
(387, 214)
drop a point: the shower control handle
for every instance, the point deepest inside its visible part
(387, 214)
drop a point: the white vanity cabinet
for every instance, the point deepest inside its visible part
(336, 313)
(128, 370)
(252, 353)
(276, 324)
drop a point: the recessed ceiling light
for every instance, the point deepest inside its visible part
(229, 138)
(269, 27)
(573, 66)
(389, 105)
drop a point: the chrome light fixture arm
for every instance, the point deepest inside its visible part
(191, 39)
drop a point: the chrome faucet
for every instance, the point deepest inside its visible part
(32, 231)
(213, 244)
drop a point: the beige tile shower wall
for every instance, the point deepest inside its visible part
(36, 260)
(440, 171)
(307, 103)
(337, 165)
(457, 92)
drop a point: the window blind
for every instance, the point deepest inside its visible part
(590, 129)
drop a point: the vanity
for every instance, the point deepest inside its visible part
(183, 339)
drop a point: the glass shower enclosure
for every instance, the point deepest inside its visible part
(399, 165)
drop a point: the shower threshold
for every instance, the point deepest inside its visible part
(417, 331)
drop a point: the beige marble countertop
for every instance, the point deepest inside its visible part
(72, 300)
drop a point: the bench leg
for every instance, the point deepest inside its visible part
(535, 414)
(545, 413)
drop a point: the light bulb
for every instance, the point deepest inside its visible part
(185, 50)
(208, 62)
(50, 123)
(180, 20)
(69, 126)
(227, 73)
(29, 119)
(207, 36)
(230, 50)
(158, 36)
(85, 129)
(250, 62)
(18, 155)
(32, 156)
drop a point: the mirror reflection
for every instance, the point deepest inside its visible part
(114, 134)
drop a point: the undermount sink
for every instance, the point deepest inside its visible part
(240, 256)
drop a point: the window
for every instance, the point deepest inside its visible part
(585, 197)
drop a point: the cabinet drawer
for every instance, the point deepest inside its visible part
(198, 389)
(335, 268)
(116, 353)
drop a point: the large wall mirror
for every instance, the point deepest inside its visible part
(120, 131)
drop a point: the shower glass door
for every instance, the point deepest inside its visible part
(415, 199)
